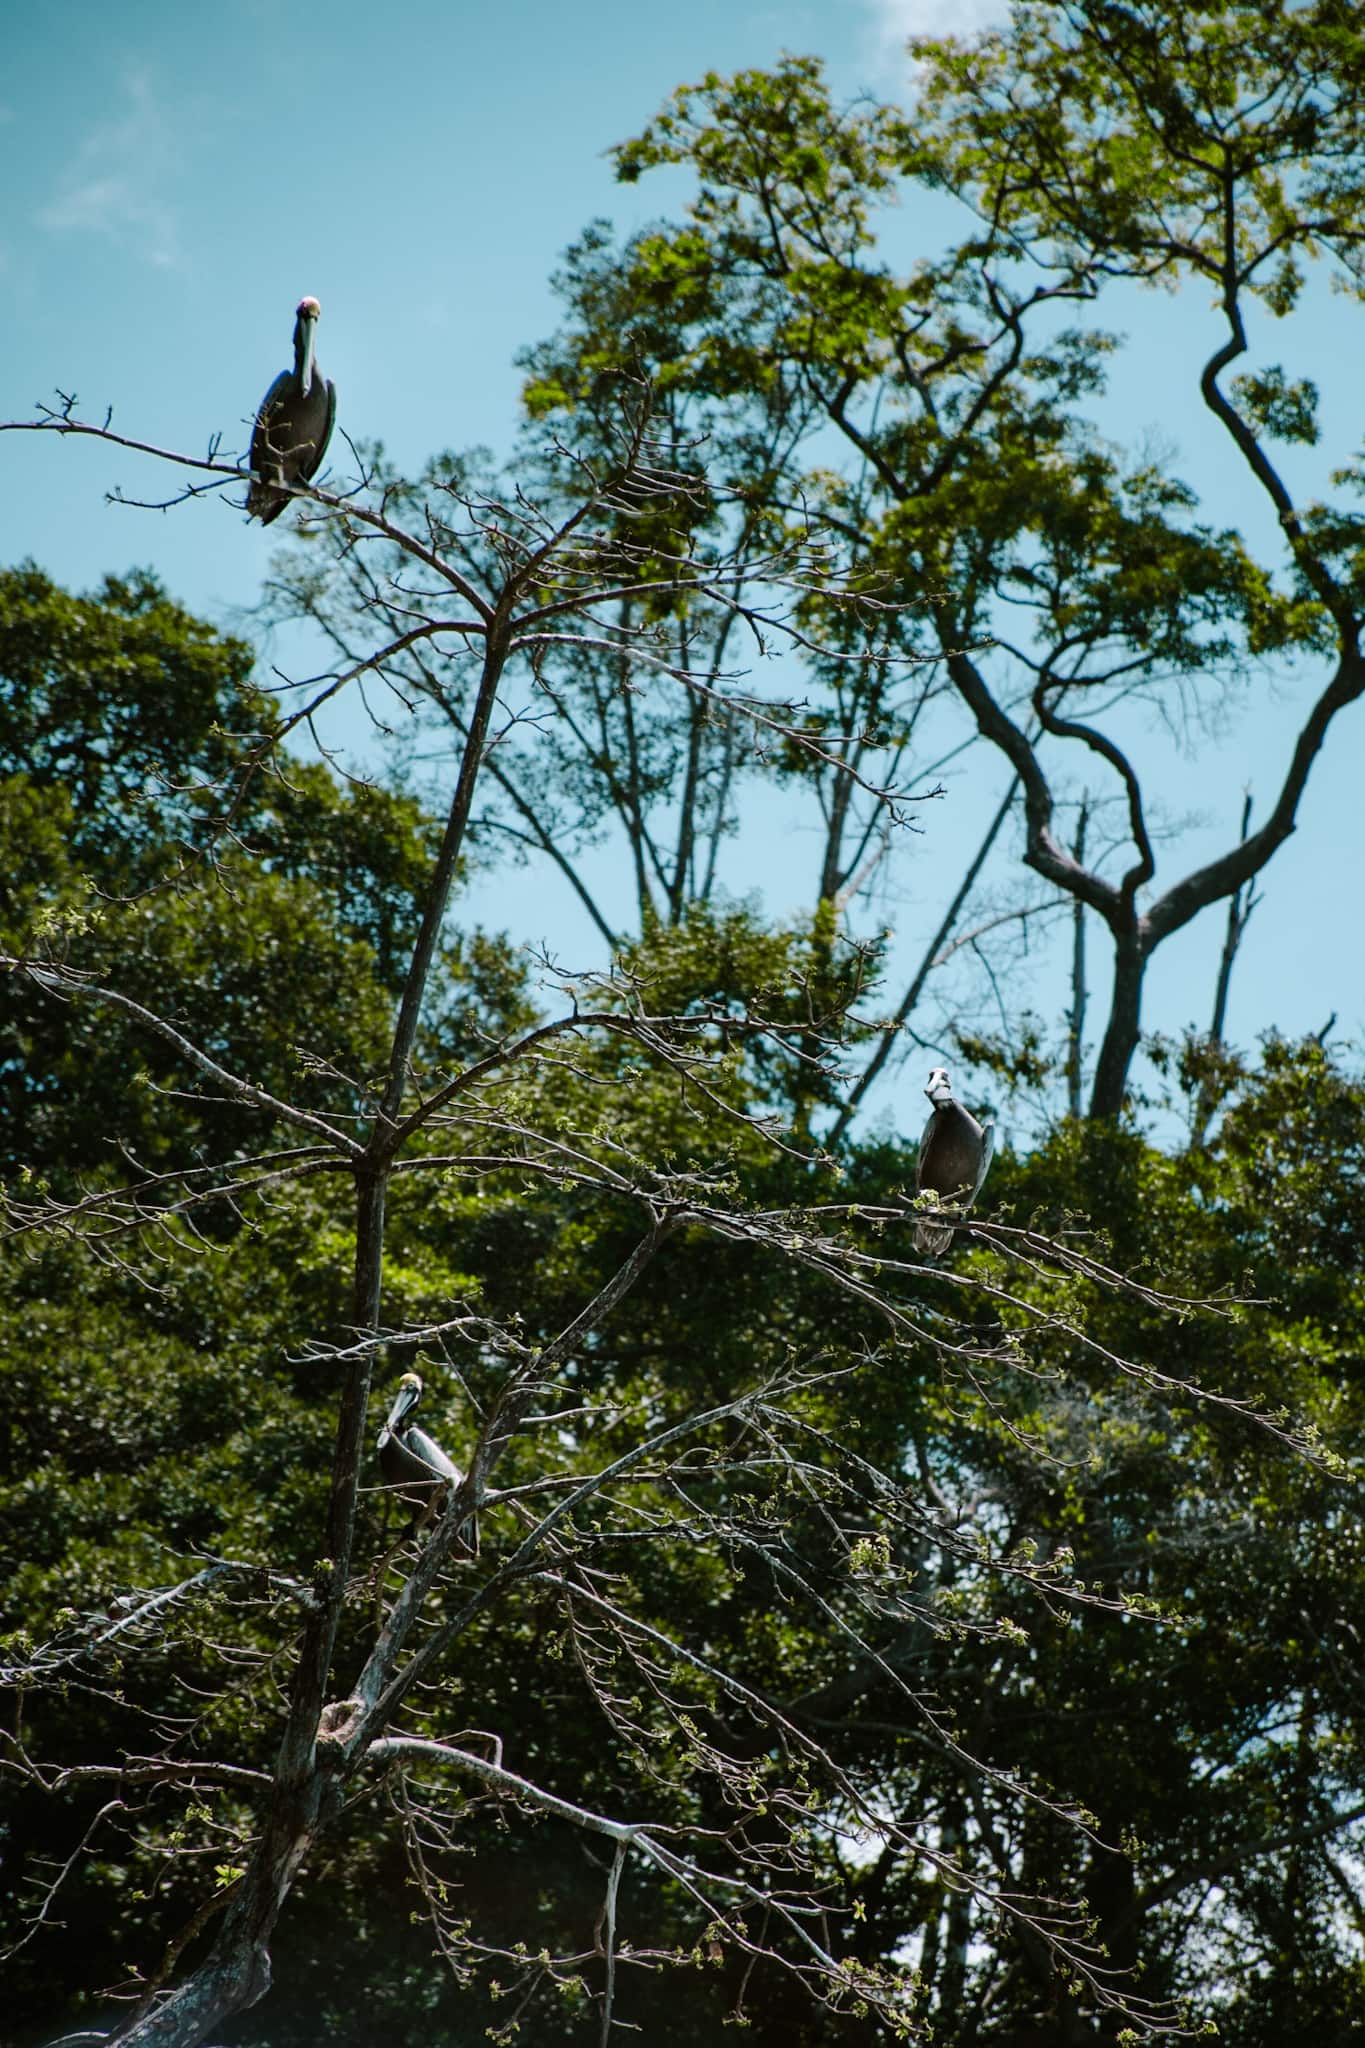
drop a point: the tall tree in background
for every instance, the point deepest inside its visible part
(1056, 578)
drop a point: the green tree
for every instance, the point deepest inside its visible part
(1218, 1750)
(1052, 574)
(129, 816)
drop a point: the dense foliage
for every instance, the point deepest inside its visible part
(162, 1410)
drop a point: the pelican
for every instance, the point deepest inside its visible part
(416, 1466)
(954, 1154)
(293, 426)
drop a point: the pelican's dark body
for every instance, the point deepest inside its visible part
(414, 1463)
(954, 1154)
(293, 426)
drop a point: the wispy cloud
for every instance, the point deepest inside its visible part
(117, 181)
(891, 23)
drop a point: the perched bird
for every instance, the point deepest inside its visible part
(954, 1154)
(293, 425)
(416, 1466)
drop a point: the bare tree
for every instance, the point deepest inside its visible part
(740, 1787)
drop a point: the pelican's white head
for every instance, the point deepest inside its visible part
(404, 1401)
(940, 1088)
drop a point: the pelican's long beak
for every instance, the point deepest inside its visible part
(305, 334)
(404, 1400)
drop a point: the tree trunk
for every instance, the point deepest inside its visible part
(1125, 1013)
(237, 1972)
(1075, 1050)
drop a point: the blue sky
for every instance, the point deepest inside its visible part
(177, 176)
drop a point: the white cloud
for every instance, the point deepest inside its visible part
(892, 22)
(117, 181)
